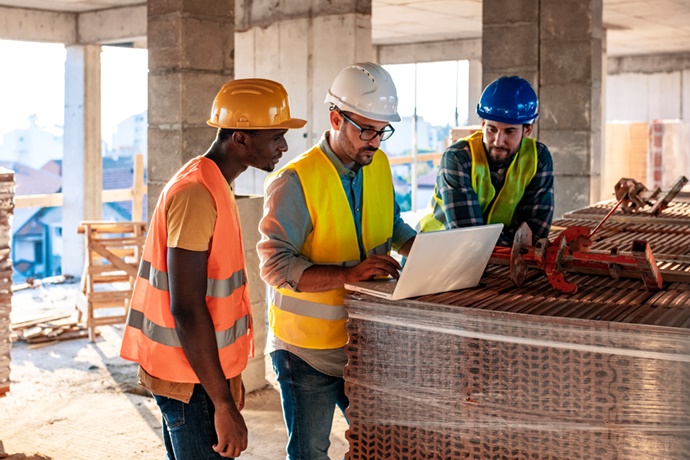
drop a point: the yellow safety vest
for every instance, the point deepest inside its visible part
(520, 173)
(316, 320)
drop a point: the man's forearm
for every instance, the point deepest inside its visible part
(318, 278)
(198, 340)
(193, 323)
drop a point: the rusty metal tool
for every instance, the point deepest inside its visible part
(556, 259)
(663, 203)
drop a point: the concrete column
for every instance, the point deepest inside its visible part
(190, 48)
(557, 46)
(303, 45)
(82, 171)
(191, 55)
(475, 90)
(571, 75)
(251, 210)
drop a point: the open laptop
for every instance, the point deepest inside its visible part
(441, 261)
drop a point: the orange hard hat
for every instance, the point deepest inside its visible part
(253, 103)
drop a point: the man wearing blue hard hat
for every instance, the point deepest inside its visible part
(498, 174)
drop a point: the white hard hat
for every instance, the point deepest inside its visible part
(366, 89)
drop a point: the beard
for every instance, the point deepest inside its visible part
(496, 162)
(362, 156)
(365, 156)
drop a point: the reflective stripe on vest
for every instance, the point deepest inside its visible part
(520, 173)
(215, 288)
(150, 336)
(306, 308)
(168, 335)
(317, 319)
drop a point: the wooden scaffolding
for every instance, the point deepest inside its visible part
(112, 252)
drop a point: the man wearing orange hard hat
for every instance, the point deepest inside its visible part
(189, 325)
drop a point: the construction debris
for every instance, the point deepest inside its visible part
(48, 330)
(32, 283)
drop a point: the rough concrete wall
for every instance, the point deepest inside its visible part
(685, 97)
(190, 57)
(557, 46)
(570, 80)
(643, 97)
(510, 40)
(304, 49)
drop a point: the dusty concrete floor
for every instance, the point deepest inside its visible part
(76, 400)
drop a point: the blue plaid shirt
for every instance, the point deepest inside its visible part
(461, 204)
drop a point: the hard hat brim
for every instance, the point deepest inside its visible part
(508, 121)
(292, 123)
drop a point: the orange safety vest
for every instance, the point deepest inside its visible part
(150, 336)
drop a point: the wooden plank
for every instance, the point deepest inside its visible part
(107, 320)
(138, 188)
(121, 241)
(101, 270)
(422, 157)
(108, 279)
(109, 296)
(116, 261)
(101, 226)
(38, 201)
(34, 322)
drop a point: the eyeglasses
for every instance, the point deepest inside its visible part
(367, 134)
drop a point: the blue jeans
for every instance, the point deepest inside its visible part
(188, 429)
(309, 398)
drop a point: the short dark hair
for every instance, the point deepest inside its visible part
(224, 134)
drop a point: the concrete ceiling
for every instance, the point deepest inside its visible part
(634, 26)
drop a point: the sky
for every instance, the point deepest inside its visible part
(435, 103)
(33, 82)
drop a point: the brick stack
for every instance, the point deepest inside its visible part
(6, 211)
(529, 373)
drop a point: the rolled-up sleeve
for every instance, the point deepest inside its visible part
(284, 227)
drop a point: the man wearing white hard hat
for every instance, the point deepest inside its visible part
(330, 217)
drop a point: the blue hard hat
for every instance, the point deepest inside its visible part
(510, 100)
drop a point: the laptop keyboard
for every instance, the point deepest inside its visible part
(386, 286)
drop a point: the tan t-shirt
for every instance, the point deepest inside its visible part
(191, 217)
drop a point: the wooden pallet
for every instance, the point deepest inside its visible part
(112, 254)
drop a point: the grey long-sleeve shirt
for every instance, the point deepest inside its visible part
(285, 226)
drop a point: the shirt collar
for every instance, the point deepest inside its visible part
(339, 166)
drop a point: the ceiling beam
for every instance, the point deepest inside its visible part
(114, 26)
(446, 50)
(111, 26)
(25, 24)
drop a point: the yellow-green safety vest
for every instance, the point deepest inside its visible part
(520, 173)
(316, 320)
